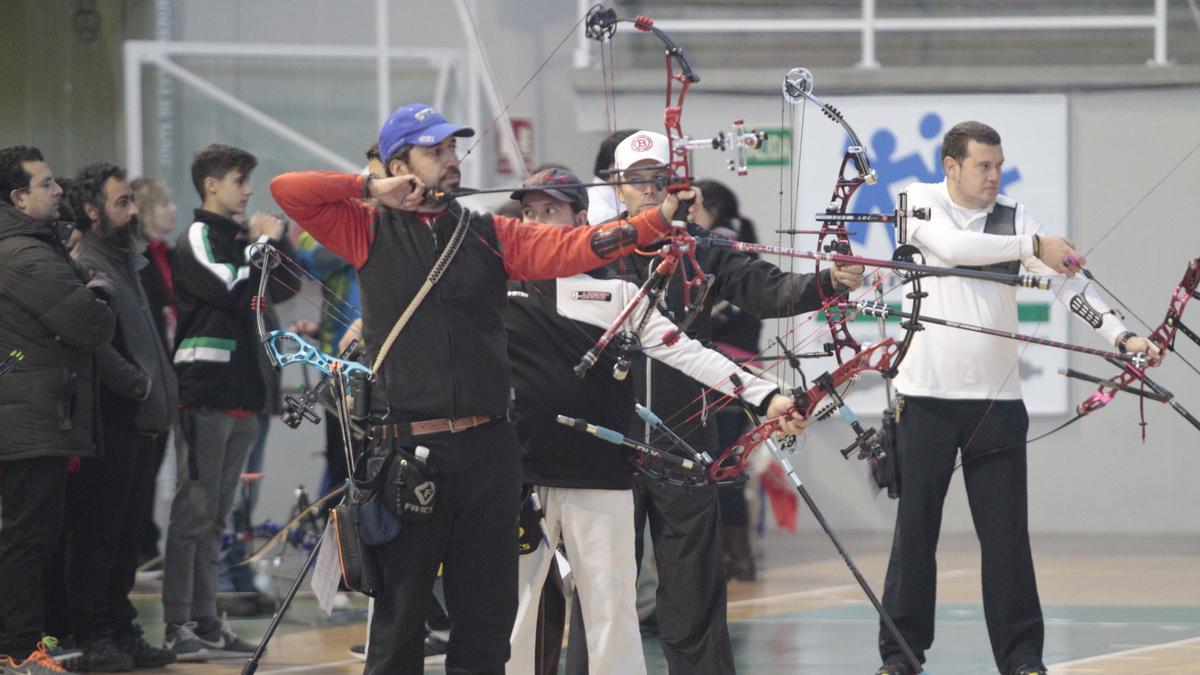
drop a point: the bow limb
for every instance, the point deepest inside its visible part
(832, 237)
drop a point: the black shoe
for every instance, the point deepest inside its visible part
(104, 656)
(144, 654)
(1030, 670)
(895, 669)
(359, 652)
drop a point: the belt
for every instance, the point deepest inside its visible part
(426, 427)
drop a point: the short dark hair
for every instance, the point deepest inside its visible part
(373, 152)
(608, 148)
(954, 143)
(13, 175)
(88, 188)
(402, 153)
(216, 160)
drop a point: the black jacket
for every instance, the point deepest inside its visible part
(47, 312)
(137, 381)
(216, 341)
(544, 347)
(759, 288)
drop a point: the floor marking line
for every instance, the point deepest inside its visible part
(315, 666)
(1126, 652)
(828, 590)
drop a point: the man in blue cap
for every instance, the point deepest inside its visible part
(443, 389)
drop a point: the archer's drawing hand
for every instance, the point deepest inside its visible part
(1060, 255)
(398, 192)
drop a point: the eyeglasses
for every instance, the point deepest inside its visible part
(47, 184)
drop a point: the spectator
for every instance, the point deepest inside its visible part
(50, 310)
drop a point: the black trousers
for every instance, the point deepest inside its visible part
(473, 534)
(32, 504)
(991, 435)
(151, 533)
(106, 500)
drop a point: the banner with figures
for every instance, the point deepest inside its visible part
(903, 138)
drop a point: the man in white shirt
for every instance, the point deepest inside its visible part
(961, 391)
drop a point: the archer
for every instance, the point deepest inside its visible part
(958, 392)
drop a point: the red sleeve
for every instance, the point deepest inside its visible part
(533, 251)
(329, 206)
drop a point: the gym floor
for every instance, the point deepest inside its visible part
(1112, 606)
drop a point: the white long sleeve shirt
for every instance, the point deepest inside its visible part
(598, 302)
(948, 363)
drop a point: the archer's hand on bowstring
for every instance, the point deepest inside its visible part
(791, 422)
(1060, 255)
(846, 277)
(398, 192)
(671, 203)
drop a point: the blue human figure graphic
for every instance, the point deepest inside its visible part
(878, 198)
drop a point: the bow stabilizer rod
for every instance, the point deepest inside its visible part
(1021, 280)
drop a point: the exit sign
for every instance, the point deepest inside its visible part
(775, 151)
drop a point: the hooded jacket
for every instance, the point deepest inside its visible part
(47, 312)
(137, 380)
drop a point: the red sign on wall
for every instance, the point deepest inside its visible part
(523, 129)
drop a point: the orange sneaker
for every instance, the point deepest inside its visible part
(38, 663)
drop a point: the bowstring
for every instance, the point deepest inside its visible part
(340, 311)
(488, 65)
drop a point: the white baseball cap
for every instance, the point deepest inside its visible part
(641, 146)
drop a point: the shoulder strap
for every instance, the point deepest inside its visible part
(439, 267)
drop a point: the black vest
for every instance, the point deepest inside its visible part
(451, 359)
(1002, 220)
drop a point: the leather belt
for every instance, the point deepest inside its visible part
(426, 427)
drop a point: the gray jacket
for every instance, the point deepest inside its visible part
(136, 376)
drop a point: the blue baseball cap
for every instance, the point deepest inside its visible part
(416, 124)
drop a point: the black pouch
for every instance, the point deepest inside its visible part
(360, 570)
(885, 466)
(411, 485)
(376, 522)
(529, 526)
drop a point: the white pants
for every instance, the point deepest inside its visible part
(596, 526)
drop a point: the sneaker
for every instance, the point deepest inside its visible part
(64, 651)
(435, 650)
(180, 639)
(220, 640)
(102, 655)
(38, 663)
(144, 654)
(1030, 670)
(359, 652)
